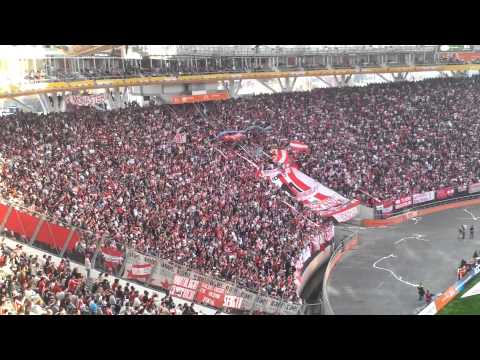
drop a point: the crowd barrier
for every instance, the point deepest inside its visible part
(391, 207)
(73, 243)
(448, 295)
(425, 209)
(340, 250)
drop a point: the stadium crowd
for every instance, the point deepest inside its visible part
(121, 175)
(33, 285)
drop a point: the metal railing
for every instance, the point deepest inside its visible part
(97, 263)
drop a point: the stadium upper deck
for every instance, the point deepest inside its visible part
(206, 65)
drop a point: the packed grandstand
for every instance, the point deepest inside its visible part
(186, 184)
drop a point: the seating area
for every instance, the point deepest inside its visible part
(121, 175)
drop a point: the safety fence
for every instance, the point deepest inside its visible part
(340, 249)
(76, 244)
(392, 207)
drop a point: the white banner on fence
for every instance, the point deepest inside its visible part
(423, 197)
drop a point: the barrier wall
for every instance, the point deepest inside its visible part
(448, 295)
(350, 243)
(394, 220)
(313, 267)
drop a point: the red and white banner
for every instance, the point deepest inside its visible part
(112, 257)
(299, 146)
(139, 271)
(444, 193)
(210, 295)
(183, 287)
(280, 156)
(312, 194)
(423, 197)
(403, 202)
(233, 302)
(473, 188)
(138, 266)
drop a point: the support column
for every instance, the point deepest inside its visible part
(45, 102)
(125, 95)
(56, 105)
(63, 104)
(343, 80)
(108, 97)
(287, 85)
(267, 86)
(400, 76)
(324, 81)
(22, 104)
(233, 87)
(384, 78)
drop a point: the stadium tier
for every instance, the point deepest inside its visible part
(186, 183)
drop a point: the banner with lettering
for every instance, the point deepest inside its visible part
(183, 287)
(423, 197)
(444, 193)
(403, 202)
(210, 295)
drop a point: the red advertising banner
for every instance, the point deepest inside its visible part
(3, 212)
(444, 193)
(53, 235)
(210, 295)
(21, 223)
(473, 188)
(183, 287)
(403, 202)
(188, 99)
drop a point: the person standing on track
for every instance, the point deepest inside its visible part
(472, 231)
(421, 292)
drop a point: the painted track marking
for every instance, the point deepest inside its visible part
(399, 278)
(419, 237)
(474, 218)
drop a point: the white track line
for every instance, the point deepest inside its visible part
(472, 215)
(399, 278)
(415, 236)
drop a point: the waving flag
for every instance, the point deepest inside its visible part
(139, 271)
(112, 256)
(299, 146)
(231, 136)
(280, 156)
(310, 192)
